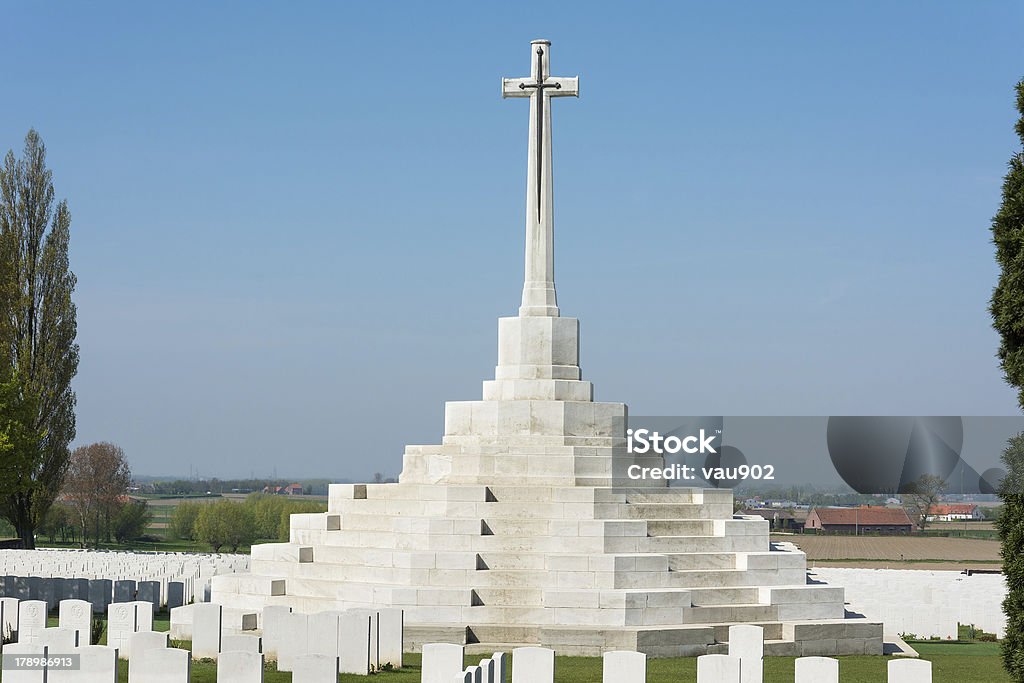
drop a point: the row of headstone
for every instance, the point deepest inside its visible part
(928, 604)
(173, 579)
(96, 664)
(99, 592)
(443, 663)
(362, 640)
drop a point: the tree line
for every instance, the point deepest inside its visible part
(226, 524)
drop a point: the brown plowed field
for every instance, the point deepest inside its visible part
(897, 551)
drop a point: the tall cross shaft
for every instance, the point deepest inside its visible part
(539, 297)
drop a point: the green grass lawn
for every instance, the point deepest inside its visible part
(952, 662)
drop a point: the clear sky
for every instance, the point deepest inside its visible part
(295, 224)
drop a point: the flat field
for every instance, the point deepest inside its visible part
(907, 552)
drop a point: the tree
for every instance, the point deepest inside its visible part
(183, 520)
(1011, 535)
(225, 523)
(38, 353)
(921, 496)
(1007, 308)
(131, 521)
(97, 479)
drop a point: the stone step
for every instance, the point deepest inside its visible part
(676, 511)
(736, 614)
(690, 544)
(708, 597)
(734, 578)
(494, 634)
(680, 527)
(684, 561)
(507, 597)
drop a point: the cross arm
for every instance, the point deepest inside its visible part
(510, 87)
(564, 87)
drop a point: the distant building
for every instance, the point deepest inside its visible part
(859, 520)
(954, 512)
(289, 490)
(780, 520)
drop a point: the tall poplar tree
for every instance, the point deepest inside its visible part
(39, 355)
(1008, 319)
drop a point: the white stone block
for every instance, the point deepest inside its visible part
(58, 641)
(390, 637)
(624, 667)
(122, 622)
(463, 677)
(141, 642)
(239, 666)
(24, 675)
(747, 643)
(533, 665)
(294, 640)
(273, 628)
(817, 670)
(239, 642)
(487, 671)
(96, 664)
(77, 615)
(441, 662)
(909, 671)
(315, 669)
(8, 619)
(160, 665)
(31, 621)
(353, 642)
(718, 669)
(500, 660)
(181, 622)
(206, 630)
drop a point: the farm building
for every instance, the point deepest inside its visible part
(859, 520)
(781, 520)
(954, 512)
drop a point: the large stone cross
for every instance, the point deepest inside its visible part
(539, 286)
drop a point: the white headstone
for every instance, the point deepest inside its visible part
(390, 636)
(162, 666)
(910, 671)
(206, 623)
(747, 643)
(59, 641)
(718, 669)
(24, 675)
(181, 622)
(96, 664)
(273, 628)
(9, 618)
(441, 661)
(121, 624)
(817, 670)
(31, 620)
(240, 667)
(239, 642)
(143, 615)
(141, 642)
(487, 670)
(294, 641)
(322, 633)
(500, 660)
(624, 667)
(463, 677)
(315, 669)
(533, 665)
(77, 615)
(354, 642)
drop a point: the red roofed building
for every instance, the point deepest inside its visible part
(859, 520)
(949, 512)
(289, 490)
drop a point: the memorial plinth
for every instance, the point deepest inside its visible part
(515, 529)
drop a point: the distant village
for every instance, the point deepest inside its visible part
(890, 518)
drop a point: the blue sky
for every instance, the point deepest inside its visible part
(294, 226)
